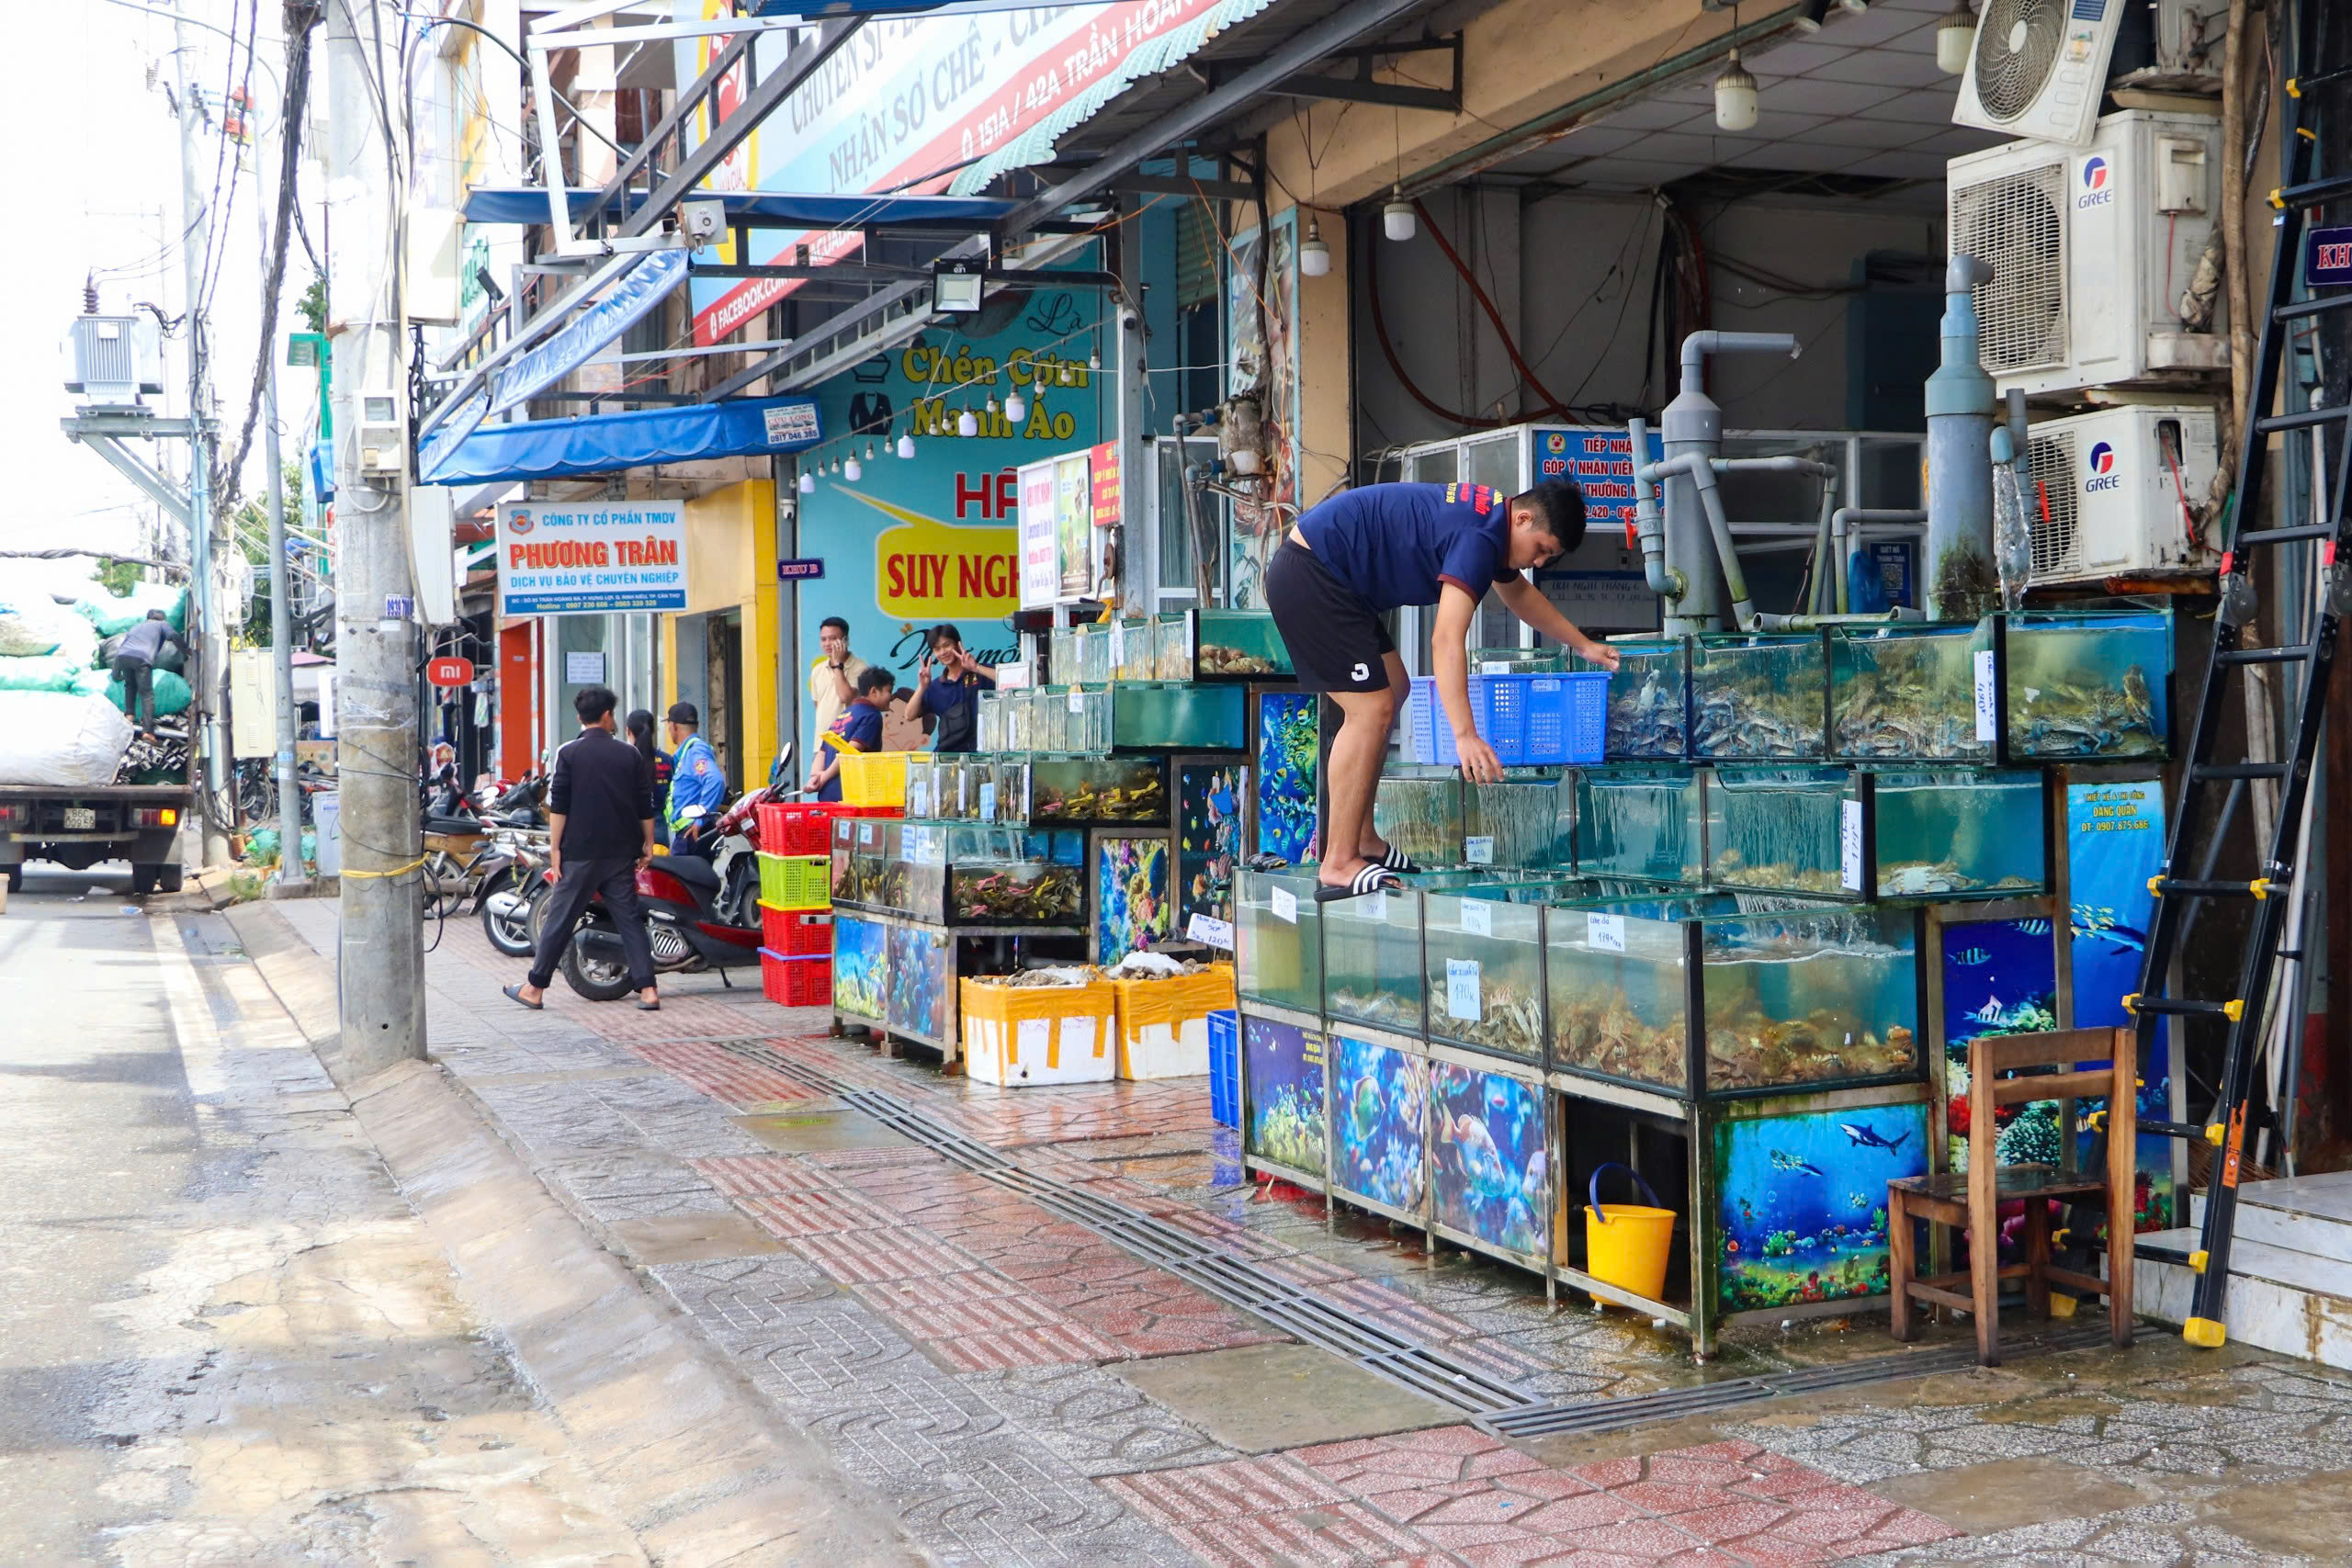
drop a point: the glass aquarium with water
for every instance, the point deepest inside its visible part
(1061, 657)
(1959, 832)
(1784, 830)
(2092, 684)
(1093, 655)
(1133, 652)
(1278, 940)
(1799, 998)
(1519, 825)
(1096, 789)
(1485, 978)
(1371, 960)
(1519, 661)
(1641, 822)
(1757, 696)
(1913, 693)
(1419, 810)
(1172, 645)
(1649, 700)
(1238, 644)
(992, 733)
(1167, 717)
(1010, 889)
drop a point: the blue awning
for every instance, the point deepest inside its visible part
(763, 209)
(607, 444)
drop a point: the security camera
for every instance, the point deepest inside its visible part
(1128, 320)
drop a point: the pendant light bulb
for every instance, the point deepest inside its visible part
(968, 423)
(1016, 408)
(869, 451)
(1094, 360)
(1396, 218)
(906, 446)
(992, 402)
(1735, 96)
(1314, 255)
(1955, 36)
(853, 470)
(808, 482)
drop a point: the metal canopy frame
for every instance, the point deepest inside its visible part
(1360, 87)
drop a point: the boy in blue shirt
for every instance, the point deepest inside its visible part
(859, 730)
(1365, 552)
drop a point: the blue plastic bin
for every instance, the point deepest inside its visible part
(1567, 716)
(1225, 1067)
(1541, 720)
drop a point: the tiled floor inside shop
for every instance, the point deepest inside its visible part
(1024, 1391)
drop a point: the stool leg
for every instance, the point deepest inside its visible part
(1984, 1277)
(1901, 1264)
(2037, 1257)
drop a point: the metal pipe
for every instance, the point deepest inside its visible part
(1662, 580)
(1814, 623)
(1824, 591)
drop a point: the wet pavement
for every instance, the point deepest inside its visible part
(1023, 1390)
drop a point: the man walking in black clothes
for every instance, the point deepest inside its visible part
(599, 831)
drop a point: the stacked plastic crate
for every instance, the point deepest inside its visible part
(795, 899)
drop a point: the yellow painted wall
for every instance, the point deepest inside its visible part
(730, 565)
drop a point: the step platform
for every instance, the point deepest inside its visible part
(2290, 1269)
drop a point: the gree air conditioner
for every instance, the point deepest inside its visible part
(2117, 493)
(2039, 68)
(2092, 253)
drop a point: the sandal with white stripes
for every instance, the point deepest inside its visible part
(1371, 879)
(1398, 861)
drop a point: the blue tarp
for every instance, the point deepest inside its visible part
(765, 208)
(606, 443)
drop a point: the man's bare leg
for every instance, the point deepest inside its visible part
(1366, 720)
(1374, 847)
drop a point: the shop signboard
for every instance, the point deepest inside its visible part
(591, 557)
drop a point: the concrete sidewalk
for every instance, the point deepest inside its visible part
(1018, 1390)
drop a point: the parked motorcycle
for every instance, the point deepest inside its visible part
(514, 880)
(680, 894)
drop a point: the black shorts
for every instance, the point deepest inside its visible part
(1335, 640)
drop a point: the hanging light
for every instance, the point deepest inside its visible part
(967, 424)
(1314, 255)
(1955, 36)
(1094, 360)
(1396, 218)
(1016, 406)
(808, 482)
(853, 470)
(907, 445)
(1735, 96)
(992, 402)
(869, 451)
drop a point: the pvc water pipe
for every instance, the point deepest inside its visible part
(1692, 426)
(1699, 470)
(1661, 578)
(1958, 572)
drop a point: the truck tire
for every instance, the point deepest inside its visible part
(168, 876)
(142, 880)
(17, 877)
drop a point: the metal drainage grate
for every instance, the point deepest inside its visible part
(1557, 1419)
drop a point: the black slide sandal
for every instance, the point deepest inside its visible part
(514, 994)
(1371, 879)
(1398, 860)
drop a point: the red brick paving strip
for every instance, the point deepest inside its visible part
(724, 1076)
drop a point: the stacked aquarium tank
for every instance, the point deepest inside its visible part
(1003, 787)
(1914, 693)
(1172, 645)
(1419, 810)
(992, 733)
(1011, 889)
(1959, 832)
(1649, 700)
(1166, 718)
(1093, 655)
(1485, 979)
(1372, 960)
(1278, 940)
(1795, 998)
(1520, 824)
(1519, 661)
(1643, 822)
(1787, 831)
(1061, 657)
(2089, 685)
(1134, 655)
(1096, 789)
(1757, 696)
(1238, 644)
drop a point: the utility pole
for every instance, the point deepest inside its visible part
(291, 877)
(382, 955)
(211, 642)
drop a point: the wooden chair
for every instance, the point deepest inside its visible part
(1971, 1201)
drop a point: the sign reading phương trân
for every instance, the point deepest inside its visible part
(591, 557)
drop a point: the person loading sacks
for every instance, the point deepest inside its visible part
(1368, 552)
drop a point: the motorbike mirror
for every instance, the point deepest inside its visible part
(783, 768)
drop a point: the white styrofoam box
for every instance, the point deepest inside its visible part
(1157, 1050)
(1075, 1048)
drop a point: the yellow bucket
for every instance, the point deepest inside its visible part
(1627, 1245)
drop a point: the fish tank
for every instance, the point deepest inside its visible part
(1959, 832)
(1757, 696)
(2093, 685)
(1238, 644)
(1485, 967)
(1132, 649)
(1093, 655)
(846, 876)
(1061, 657)
(1278, 940)
(1371, 960)
(1092, 789)
(1172, 645)
(1649, 700)
(1419, 810)
(1520, 824)
(1521, 661)
(1643, 822)
(1010, 890)
(1803, 997)
(1914, 693)
(1164, 716)
(1785, 830)
(1003, 787)
(991, 722)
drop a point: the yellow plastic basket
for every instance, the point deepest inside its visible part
(876, 778)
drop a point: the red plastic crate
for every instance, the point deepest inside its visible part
(795, 933)
(796, 982)
(867, 810)
(797, 828)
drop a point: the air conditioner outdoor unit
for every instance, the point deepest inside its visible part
(2107, 495)
(114, 358)
(2091, 252)
(2039, 67)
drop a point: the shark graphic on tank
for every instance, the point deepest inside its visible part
(2098, 183)
(2102, 469)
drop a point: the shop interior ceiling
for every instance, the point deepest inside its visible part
(1860, 99)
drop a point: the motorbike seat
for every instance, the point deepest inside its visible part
(691, 870)
(451, 827)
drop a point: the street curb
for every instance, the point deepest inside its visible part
(704, 1472)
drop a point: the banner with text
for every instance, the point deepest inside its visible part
(591, 557)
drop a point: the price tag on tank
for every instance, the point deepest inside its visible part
(1479, 850)
(919, 799)
(1605, 932)
(1987, 724)
(1118, 645)
(1210, 932)
(988, 801)
(1285, 904)
(1375, 905)
(1077, 700)
(1849, 845)
(1478, 919)
(1462, 990)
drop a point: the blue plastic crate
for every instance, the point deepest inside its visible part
(1428, 736)
(1225, 1067)
(1500, 710)
(1567, 716)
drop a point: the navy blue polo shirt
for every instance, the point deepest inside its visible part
(1398, 544)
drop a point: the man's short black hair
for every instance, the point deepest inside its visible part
(157, 615)
(873, 678)
(833, 621)
(1559, 505)
(594, 703)
(945, 632)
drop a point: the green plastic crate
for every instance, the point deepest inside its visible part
(796, 882)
